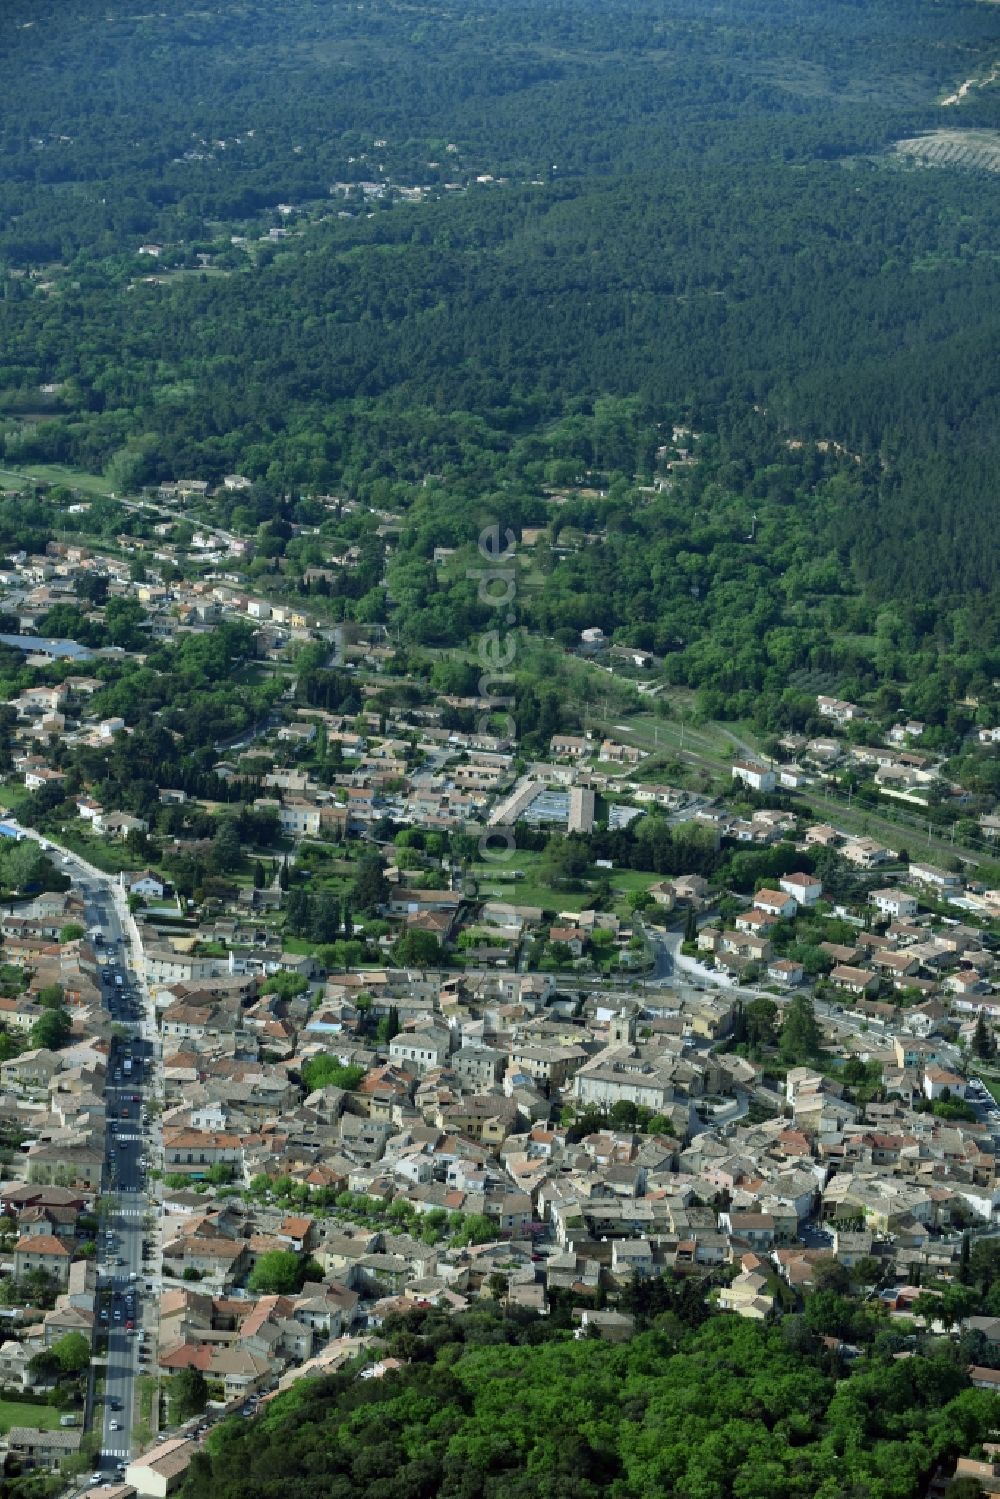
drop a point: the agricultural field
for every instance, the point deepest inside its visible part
(972, 150)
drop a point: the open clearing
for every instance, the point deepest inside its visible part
(977, 150)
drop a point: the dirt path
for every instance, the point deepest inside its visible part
(971, 83)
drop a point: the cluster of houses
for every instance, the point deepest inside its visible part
(458, 1085)
(942, 967)
(683, 1156)
(895, 769)
(454, 1116)
(433, 764)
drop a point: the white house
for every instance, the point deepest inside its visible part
(839, 710)
(757, 777)
(901, 732)
(937, 1079)
(40, 776)
(297, 816)
(898, 904)
(866, 853)
(805, 888)
(420, 1050)
(944, 880)
(776, 903)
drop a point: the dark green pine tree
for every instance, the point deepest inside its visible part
(325, 926)
(983, 1042)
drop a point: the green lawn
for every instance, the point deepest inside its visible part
(24, 1413)
(109, 857)
(533, 891)
(256, 672)
(525, 893)
(15, 795)
(994, 1086)
(299, 945)
(144, 1428)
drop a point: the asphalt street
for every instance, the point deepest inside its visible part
(126, 1227)
(128, 1224)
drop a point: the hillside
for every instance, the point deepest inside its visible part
(362, 244)
(729, 1409)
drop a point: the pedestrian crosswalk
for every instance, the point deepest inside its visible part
(118, 1452)
(124, 1212)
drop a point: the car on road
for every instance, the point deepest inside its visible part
(114, 1426)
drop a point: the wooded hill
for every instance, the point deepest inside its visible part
(496, 1409)
(688, 215)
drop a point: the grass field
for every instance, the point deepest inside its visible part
(24, 1413)
(59, 473)
(533, 890)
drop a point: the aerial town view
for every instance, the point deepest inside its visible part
(499, 750)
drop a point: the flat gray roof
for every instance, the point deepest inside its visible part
(58, 649)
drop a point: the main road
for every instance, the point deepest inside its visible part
(122, 1294)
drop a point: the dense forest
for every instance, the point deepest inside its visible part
(513, 1408)
(693, 209)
